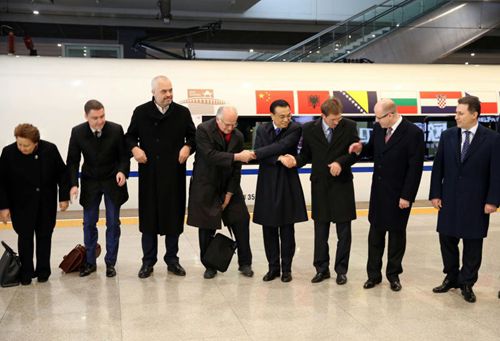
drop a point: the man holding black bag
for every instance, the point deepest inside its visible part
(215, 191)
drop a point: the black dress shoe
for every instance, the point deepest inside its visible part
(270, 276)
(468, 294)
(87, 269)
(371, 283)
(26, 281)
(396, 285)
(499, 294)
(43, 279)
(286, 277)
(145, 271)
(110, 271)
(445, 286)
(320, 276)
(246, 270)
(176, 269)
(210, 273)
(341, 279)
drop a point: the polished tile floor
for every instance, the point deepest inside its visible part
(232, 307)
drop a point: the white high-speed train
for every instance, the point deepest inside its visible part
(50, 93)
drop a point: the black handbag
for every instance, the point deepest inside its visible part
(10, 267)
(220, 251)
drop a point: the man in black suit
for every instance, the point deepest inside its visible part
(215, 192)
(279, 200)
(161, 136)
(397, 147)
(106, 165)
(465, 188)
(325, 145)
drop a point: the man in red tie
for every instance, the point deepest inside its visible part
(397, 148)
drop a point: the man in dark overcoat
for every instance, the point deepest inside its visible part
(397, 147)
(465, 188)
(161, 136)
(279, 200)
(215, 192)
(106, 165)
(325, 145)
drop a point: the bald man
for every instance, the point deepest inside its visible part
(215, 192)
(161, 136)
(397, 147)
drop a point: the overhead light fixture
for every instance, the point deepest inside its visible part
(251, 50)
(35, 12)
(59, 45)
(373, 35)
(165, 10)
(472, 54)
(466, 63)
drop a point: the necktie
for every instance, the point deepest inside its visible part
(97, 133)
(466, 145)
(277, 131)
(329, 135)
(388, 134)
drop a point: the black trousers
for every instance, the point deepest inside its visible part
(471, 259)
(242, 236)
(321, 251)
(395, 253)
(150, 248)
(272, 237)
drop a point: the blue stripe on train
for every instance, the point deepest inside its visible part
(134, 174)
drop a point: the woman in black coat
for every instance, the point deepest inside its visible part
(31, 170)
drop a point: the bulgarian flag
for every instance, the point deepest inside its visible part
(264, 98)
(406, 102)
(489, 104)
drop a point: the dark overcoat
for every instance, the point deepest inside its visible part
(465, 187)
(162, 179)
(29, 186)
(279, 199)
(332, 197)
(214, 174)
(397, 170)
(103, 158)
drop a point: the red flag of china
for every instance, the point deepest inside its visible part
(264, 98)
(310, 101)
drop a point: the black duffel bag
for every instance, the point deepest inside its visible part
(10, 267)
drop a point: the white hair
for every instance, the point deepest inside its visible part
(221, 109)
(155, 80)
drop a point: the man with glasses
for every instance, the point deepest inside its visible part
(215, 192)
(279, 200)
(325, 145)
(397, 147)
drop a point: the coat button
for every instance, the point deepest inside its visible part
(157, 140)
(379, 178)
(38, 189)
(156, 123)
(36, 157)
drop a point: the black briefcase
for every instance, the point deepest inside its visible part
(10, 267)
(219, 253)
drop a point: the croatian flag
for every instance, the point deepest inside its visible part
(439, 102)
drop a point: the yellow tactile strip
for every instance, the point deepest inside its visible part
(135, 220)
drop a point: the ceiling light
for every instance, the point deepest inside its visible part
(59, 45)
(35, 12)
(466, 63)
(472, 54)
(251, 50)
(373, 35)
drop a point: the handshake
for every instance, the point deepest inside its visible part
(287, 160)
(245, 156)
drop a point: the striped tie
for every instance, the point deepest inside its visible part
(388, 134)
(465, 146)
(329, 135)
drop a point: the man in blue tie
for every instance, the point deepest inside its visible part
(325, 145)
(465, 188)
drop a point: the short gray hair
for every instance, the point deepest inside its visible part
(156, 79)
(221, 109)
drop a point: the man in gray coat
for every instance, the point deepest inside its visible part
(215, 192)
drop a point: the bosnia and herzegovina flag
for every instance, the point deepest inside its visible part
(264, 98)
(488, 100)
(439, 102)
(357, 102)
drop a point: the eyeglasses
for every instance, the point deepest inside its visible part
(284, 117)
(383, 116)
(229, 125)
